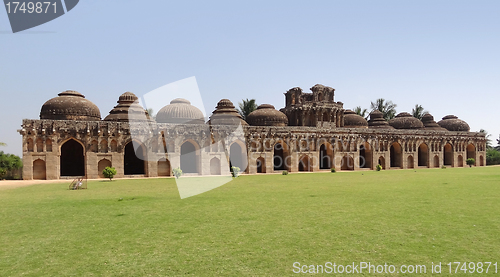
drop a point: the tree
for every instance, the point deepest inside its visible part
(151, 113)
(362, 112)
(492, 157)
(498, 141)
(488, 139)
(386, 107)
(246, 107)
(418, 111)
(109, 172)
(8, 162)
(177, 172)
(470, 162)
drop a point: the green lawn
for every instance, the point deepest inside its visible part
(254, 225)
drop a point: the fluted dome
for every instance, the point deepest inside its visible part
(70, 105)
(353, 120)
(377, 121)
(128, 109)
(180, 111)
(406, 121)
(226, 114)
(452, 123)
(267, 115)
(430, 124)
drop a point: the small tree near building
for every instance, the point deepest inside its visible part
(470, 162)
(109, 172)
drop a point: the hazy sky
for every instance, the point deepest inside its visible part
(444, 55)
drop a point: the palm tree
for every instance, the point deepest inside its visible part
(418, 111)
(246, 107)
(385, 107)
(359, 111)
(488, 139)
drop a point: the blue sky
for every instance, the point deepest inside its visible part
(440, 54)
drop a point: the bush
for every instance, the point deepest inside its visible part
(8, 164)
(470, 162)
(492, 157)
(235, 171)
(332, 170)
(177, 172)
(109, 172)
(284, 172)
(379, 167)
(443, 167)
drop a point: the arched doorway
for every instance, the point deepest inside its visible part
(347, 163)
(436, 161)
(396, 155)
(280, 157)
(423, 155)
(381, 162)
(448, 155)
(237, 157)
(460, 161)
(134, 159)
(325, 156)
(261, 165)
(164, 167)
(481, 160)
(305, 163)
(215, 166)
(471, 151)
(365, 155)
(102, 165)
(189, 158)
(410, 162)
(72, 159)
(39, 170)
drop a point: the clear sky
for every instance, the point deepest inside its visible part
(444, 55)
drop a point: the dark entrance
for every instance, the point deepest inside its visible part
(189, 161)
(134, 159)
(72, 159)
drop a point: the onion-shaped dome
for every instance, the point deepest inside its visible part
(267, 115)
(128, 109)
(406, 121)
(377, 121)
(70, 105)
(353, 120)
(226, 114)
(430, 124)
(452, 123)
(180, 111)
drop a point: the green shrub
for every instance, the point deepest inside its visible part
(492, 157)
(177, 172)
(8, 163)
(379, 167)
(235, 171)
(470, 162)
(443, 167)
(332, 170)
(284, 172)
(109, 172)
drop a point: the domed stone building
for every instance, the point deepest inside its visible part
(311, 133)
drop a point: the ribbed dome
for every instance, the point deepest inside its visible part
(452, 123)
(406, 121)
(226, 114)
(267, 115)
(128, 109)
(180, 111)
(430, 124)
(70, 105)
(353, 120)
(377, 121)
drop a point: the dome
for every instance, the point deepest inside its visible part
(377, 121)
(70, 105)
(226, 114)
(353, 120)
(452, 123)
(430, 124)
(180, 111)
(267, 115)
(406, 121)
(128, 108)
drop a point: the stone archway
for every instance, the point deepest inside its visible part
(325, 156)
(135, 159)
(410, 163)
(305, 163)
(471, 151)
(189, 157)
(448, 154)
(460, 161)
(347, 163)
(280, 156)
(164, 167)
(72, 158)
(423, 155)
(101, 166)
(215, 166)
(381, 162)
(261, 165)
(238, 156)
(396, 155)
(39, 170)
(436, 161)
(481, 160)
(365, 155)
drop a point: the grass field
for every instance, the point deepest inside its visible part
(254, 225)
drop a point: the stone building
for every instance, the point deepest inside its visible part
(311, 133)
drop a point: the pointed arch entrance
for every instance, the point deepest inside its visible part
(189, 157)
(134, 159)
(396, 155)
(448, 155)
(325, 156)
(423, 155)
(72, 158)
